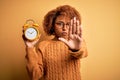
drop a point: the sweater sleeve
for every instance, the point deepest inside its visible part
(80, 53)
(34, 63)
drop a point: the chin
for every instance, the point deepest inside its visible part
(65, 37)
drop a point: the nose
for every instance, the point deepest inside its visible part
(64, 27)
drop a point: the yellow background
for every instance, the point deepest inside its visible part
(101, 30)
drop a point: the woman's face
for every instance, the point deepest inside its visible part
(61, 27)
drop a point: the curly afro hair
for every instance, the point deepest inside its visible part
(50, 17)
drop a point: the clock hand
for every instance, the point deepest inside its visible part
(32, 32)
(29, 32)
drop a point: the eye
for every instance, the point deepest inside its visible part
(60, 24)
(68, 24)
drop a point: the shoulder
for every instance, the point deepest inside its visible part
(43, 43)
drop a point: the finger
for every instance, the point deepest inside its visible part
(80, 31)
(63, 40)
(74, 25)
(70, 29)
(23, 36)
(34, 42)
(79, 38)
(78, 26)
(39, 36)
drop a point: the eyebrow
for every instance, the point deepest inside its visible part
(59, 21)
(62, 21)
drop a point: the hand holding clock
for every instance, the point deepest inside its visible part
(31, 34)
(32, 43)
(31, 37)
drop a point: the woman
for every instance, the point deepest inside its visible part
(59, 58)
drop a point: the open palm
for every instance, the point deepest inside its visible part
(75, 35)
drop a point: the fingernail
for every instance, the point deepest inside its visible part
(59, 38)
(74, 18)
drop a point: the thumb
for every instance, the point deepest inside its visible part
(63, 40)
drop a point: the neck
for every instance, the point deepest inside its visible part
(55, 38)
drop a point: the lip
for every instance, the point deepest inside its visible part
(64, 33)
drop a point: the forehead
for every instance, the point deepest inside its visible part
(63, 18)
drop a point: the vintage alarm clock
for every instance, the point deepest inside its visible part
(31, 30)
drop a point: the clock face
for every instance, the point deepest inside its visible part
(31, 33)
